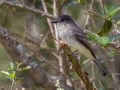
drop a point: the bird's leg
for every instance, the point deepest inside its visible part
(75, 54)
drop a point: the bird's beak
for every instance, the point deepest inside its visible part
(54, 21)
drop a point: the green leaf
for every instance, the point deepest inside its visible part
(25, 68)
(18, 65)
(92, 35)
(113, 12)
(57, 83)
(103, 40)
(11, 66)
(17, 79)
(106, 28)
(6, 73)
(12, 75)
(28, 67)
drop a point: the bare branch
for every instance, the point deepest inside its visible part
(95, 14)
(29, 9)
(48, 20)
(75, 63)
(88, 16)
(18, 54)
(57, 12)
(57, 7)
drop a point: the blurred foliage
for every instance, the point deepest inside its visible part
(13, 70)
(58, 85)
(23, 23)
(106, 28)
(103, 40)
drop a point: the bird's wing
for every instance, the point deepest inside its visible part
(81, 37)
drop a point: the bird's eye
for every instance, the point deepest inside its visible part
(62, 20)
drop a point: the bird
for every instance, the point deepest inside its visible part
(73, 35)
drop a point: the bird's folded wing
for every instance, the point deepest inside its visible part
(81, 37)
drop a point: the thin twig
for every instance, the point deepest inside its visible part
(28, 60)
(57, 11)
(29, 9)
(88, 16)
(93, 13)
(48, 20)
(21, 3)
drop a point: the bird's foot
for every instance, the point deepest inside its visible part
(75, 54)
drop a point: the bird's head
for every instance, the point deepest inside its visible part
(62, 19)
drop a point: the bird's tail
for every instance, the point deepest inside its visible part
(100, 68)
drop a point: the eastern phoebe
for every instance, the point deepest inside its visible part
(74, 36)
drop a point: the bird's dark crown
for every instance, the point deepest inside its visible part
(62, 18)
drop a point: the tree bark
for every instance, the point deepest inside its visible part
(18, 54)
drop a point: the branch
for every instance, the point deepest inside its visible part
(18, 54)
(48, 20)
(57, 7)
(88, 16)
(29, 9)
(57, 12)
(95, 14)
(75, 63)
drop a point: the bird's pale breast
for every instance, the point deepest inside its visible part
(66, 35)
